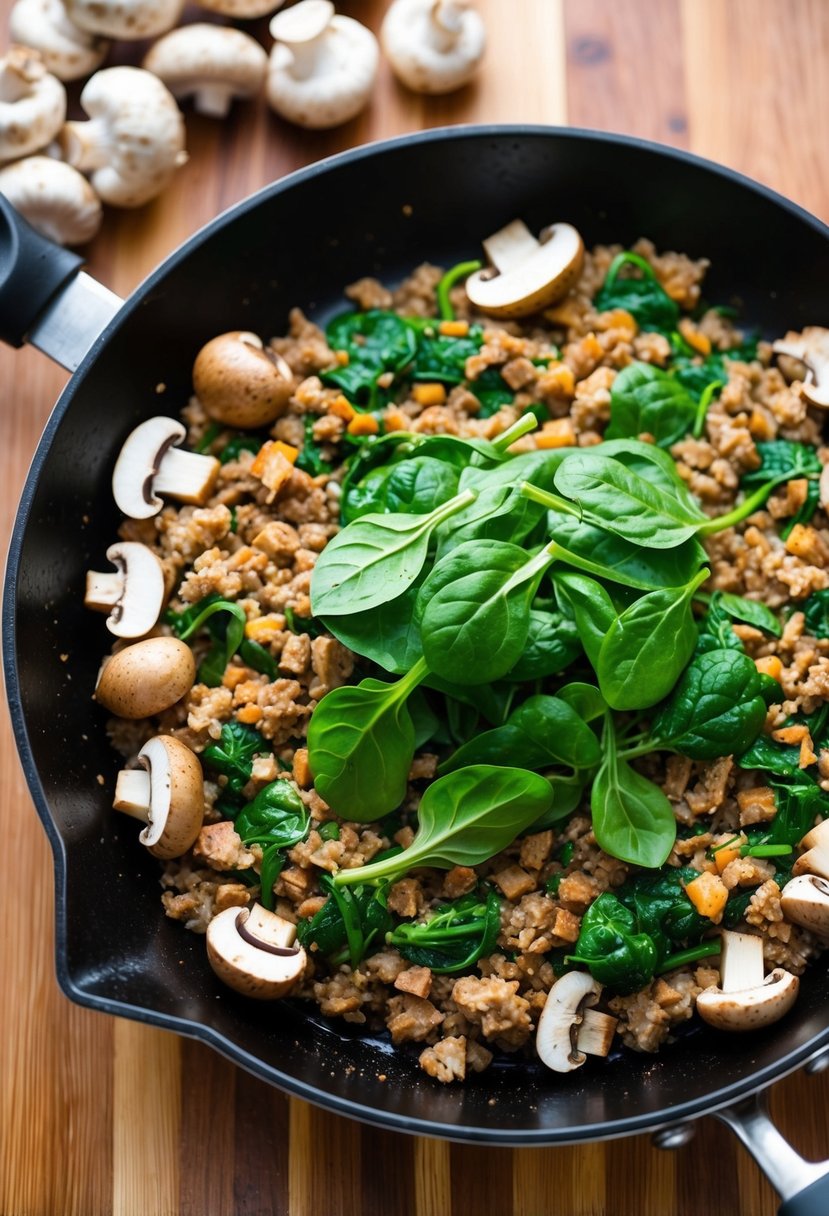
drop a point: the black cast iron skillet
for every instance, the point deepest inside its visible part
(377, 210)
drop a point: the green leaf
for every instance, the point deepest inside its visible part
(632, 818)
(646, 400)
(591, 606)
(376, 341)
(541, 732)
(604, 555)
(465, 818)
(585, 699)
(276, 816)
(751, 611)
(643, 296)
(716, 709)
(389, 634)
(454, 937)
(552, 644)
(816, 611)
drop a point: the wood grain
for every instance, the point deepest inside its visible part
(101, 1116)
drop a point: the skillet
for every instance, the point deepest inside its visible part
(374, 210)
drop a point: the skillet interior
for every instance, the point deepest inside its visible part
(375, 211)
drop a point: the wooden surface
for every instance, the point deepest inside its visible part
(101, 1115)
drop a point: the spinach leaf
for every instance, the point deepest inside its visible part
(492, 391)
(567, 795)
(227, 633)
(632, 818)
(585, 699)
(552, 644)
(454, 937)
(816, 611)
(310, 459)
(716, 709)
(604, 555)
(491, 701)
(697, 374)
(481, 590)
(771, 757)
(591, 606)
(781, 459)
(349, 924)
(238, 444)
(465, 818)
(361, 744)
(389, 634)
(376, 342)
(420, 485)
(443, 358)
(647, 646)
(374, 559)
(715, 630)
(541, 732)
(752, 611)
(646, 400)
(798, 806)
(643, 297)
(277, 816)
(233, 756)
(611, 948)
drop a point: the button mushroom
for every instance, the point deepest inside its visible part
(32, 104)
(239, 383)
(146, 678)
(56, 199)
(134, 595)
(816, 859)
(149, 464)
(805, 901)
(252, 951)
(242, 9)
(526, 274)
(568, 1029)
(67, 51)
(322, 67)
(166, 793)
(127, 19)
(434, 46)
(211, 63)
(812, 348)
(134, 140)
(745, 1000)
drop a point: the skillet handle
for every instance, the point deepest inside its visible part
(45, 297)
(32, 271)
(803, 1185)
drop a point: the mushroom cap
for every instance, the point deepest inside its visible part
(750, 1008)
(213, 60)
(147, 677)
(434, 46)
(323, 66)
(238, 384)
(176, 796)
(32, 104)
(816, 836)
(256, 971)
(141, 597)
(138, 462)
(134, 140)
(805, 901)
(242, 9)
(127, 19)
(812, 348)
(56, 199)
(557, 1035)
(67, 51)
(527, 275)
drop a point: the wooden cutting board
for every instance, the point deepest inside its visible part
(101, 1115)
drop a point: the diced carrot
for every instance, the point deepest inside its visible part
(723, 856)
(556, 434)
(395, 420)
(807, 752)
(708, 894)
(770, 666)
(249, 714)
(698, 341)
(363, 424)
(805, 542)
(263, 627)
(566, 314)
(287, 449)
(429, 393)
(760, 425)
(558, 380)
(302, 769)
(342, 357)
(454, 329)
(790, 735)
(235, 675)
(341, 407)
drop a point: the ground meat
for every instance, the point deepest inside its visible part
(411, 1019)
(646, 1017)
(332, 665)
(494, 1005)
(220, 846)
(446, 1061)
(417, 980)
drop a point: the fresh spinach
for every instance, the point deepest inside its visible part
(233, 757)
(543, 731)
(716, 709)
(454, 937)
(646, 400)
(643, 296)
(351, 924)
(552, 644)
(277, 816)
(375, 342)
(816, 611)
(632, 818)
(751, 611)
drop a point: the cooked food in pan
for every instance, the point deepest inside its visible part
(472, 659)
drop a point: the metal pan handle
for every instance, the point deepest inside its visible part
(45, 297)
(803, 1185)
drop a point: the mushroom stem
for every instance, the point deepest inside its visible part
(595, 1035)
(510, 246)
(103, 591)
(302, 31)
(84, 145)
(132, 793)
(14, 85)
(214, 100)
(181, 474)
(445, 25)
(741, 964)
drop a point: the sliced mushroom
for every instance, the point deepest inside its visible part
(239, 383)
(745, 999)
(166, 793)
(211, 63)
(805, 901)
(134, 595)
(323, 66)
(134, 139)
(67, 51)
(568, 1029)
(127, 19)
(816, 859)
(147, 677)
(812, 348)
(56, 199)
(32, 104)
(434, 46)
(252, 951)
(526, 274)
(149, 464)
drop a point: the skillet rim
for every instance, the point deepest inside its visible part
(789, 1062)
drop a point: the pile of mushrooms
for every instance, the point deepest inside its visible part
(321, 72)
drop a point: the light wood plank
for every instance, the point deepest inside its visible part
(432, 1178)
(560, 1181)
(146, 1121)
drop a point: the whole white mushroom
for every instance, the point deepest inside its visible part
(127, 19)
(32, 104)
(241, 10)
(434, 46)
(56, 199)
(323, 66)
(211, 63)
(67, 51)
(134, 140)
